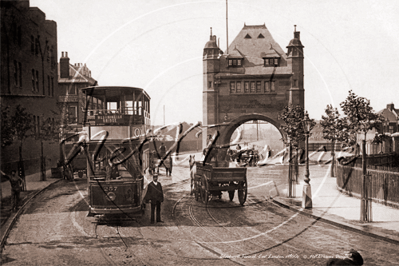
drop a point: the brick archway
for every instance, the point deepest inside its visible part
(253, 80)
(228, 130)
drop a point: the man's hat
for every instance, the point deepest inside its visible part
(356, 257)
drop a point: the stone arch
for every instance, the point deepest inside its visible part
(228, 131)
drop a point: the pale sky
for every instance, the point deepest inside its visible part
(157, 45)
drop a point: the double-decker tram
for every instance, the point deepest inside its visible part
(116, 122)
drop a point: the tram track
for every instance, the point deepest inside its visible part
(198, 224)
(190, 211)
(251, 239)
(277, 243)
(189, 208)
(230, 232)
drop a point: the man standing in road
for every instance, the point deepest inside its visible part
(16, 184)
(155, 195)
(162, 151)
(162, 154)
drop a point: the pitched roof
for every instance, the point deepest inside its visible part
(235, 53)
(254, 43)
(390, 113)
(78, 74)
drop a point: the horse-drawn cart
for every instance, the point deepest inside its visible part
(208, 181)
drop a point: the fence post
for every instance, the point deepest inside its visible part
(333, 158)
(290, 171)
(369, 196)
(364, 204)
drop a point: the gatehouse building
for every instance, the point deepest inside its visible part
(253, 80)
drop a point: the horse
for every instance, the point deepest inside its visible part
(168, 163)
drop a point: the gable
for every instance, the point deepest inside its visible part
(261, 42)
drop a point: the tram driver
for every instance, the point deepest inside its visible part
(111, 172)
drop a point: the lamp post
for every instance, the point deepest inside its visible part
(307, 191)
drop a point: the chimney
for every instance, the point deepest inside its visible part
(296, 33)
(64, 66)
(390, 107)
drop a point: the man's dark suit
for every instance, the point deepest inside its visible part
(155, 195)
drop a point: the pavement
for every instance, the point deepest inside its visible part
(338, 208)
(33, 187)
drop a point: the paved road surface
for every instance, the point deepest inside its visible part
(54, 230)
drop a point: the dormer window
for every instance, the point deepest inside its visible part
(268, 62)
(235, 62)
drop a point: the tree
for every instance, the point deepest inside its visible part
(360, 118)
(21, 123)
(293, 126)
(7, 131)
(49, 130)
(334, 129)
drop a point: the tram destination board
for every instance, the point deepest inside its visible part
(118, 119)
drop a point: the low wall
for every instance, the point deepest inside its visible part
(383, 185)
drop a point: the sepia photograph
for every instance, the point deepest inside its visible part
(199, 132)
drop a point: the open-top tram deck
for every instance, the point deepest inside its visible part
(116, 122)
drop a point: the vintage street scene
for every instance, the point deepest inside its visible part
(199, 132)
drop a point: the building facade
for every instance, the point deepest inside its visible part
(28, 77)
(390, 128)
(391, 116)
(71, 80)
(253, 80)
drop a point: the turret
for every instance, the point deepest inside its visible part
(211, 55)
(211, 66)
(295, 60)
(295, 47)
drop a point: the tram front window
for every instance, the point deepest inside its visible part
(112, 107)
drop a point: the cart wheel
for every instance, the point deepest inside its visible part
(242, 192)
(231, 195)
(205, 191)
(196, 191)
(202, 194)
